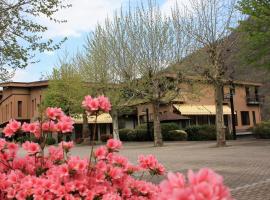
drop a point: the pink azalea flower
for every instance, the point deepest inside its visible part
(90, 104)
(14, 125)
(12, 147)
(25, 127)
(101, 152)
(150, 163)
(54, 113)
(66, 145)
(104, 103)
(2, 143)
(111, 196)
(45, 176)
(8, 131)
(113, 144)
(48, 126)
(204, 184)
(31, 147)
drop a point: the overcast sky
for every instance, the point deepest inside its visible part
(81, 18)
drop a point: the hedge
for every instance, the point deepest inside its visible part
(176, 135)
(165, 130)
(170, 132)
(203, 132)
(262, 130)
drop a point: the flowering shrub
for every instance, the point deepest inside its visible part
(110, 176)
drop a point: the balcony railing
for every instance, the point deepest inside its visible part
(255, 100)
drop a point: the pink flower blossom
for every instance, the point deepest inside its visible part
(8, 131)
(94, 104)
(104, 103)
(150, 163)
(101, 153)
(12, 147)
(114, 145)
(31, 147)
(25, 127)
(46, 175)
(90, 104)
(204, 184)
(14, 125)
(48, 126)
(2, 144)
(66, 145)
(64, 127)
(54, 113)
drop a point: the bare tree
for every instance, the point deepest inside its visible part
(142, 44)
(208, 23)
(96, 67)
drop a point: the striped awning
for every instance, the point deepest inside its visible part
(104, 118)
(187, 109)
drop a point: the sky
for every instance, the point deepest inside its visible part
(81, 18)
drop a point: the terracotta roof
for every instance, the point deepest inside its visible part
(25, 84)
(169, 116)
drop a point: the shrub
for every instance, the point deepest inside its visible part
(105, 138)
(50, 141)
(123, 134)
(204, 132)
(142, 135)
(262, 130)
(177, 135)
(166, 128)
(23, 139)
(132, 136)
(55, 174)
(78, 140)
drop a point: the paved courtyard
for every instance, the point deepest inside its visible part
(244, 164)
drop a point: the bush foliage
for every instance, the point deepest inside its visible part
(170, 132)
(262, 130)
(203, 132)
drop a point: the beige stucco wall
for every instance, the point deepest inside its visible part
(240, 104)
(9, 103)
(203, 94)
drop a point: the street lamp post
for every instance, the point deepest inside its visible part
(147, 122)
(232, 110)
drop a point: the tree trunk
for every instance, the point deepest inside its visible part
(157, 129)
(85, 127)
(220, 129)
(115, 124)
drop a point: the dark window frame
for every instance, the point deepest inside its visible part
(245, 118)
(19, 104)
(254, 118)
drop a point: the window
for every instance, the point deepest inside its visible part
(256, 94)
(19, 108)
(192, 119)
(245, 118)
(254, 118)
(247, 91)
(212, 119)
(11, 114)
(7, 112)
(33, 107)
(202, 119)
(225, 119)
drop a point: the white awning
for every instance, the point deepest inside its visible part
(104, 118)
(187, 109)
